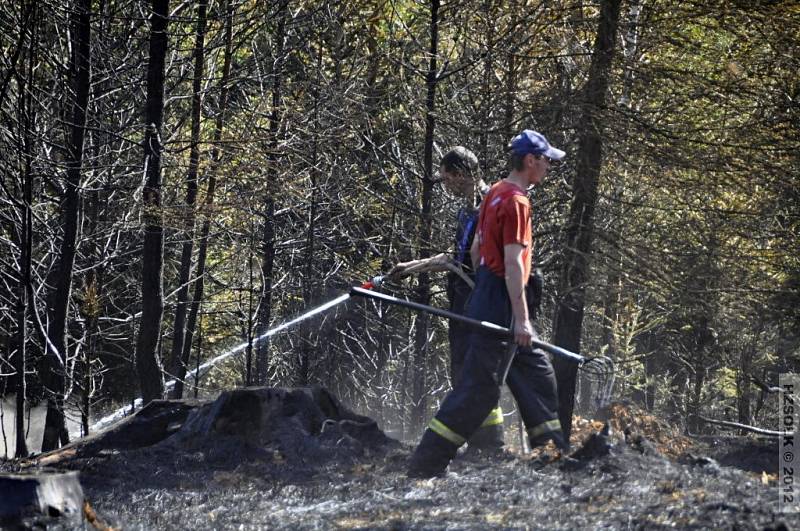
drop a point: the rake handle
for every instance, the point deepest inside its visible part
(475, 323)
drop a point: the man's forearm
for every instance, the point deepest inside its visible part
(515, 284)
(430, 265)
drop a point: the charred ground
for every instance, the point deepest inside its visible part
(312, 464)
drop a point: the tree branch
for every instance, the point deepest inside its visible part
(736, 425)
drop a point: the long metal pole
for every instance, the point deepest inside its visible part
(248, 377)
(483, 325)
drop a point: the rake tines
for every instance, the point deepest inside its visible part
(601, 372)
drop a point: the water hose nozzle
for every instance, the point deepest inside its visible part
(374, 282)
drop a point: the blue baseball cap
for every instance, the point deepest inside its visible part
(529, 141)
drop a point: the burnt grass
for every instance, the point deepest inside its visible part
(335, 479)
(229, 486)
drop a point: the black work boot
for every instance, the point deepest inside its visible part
(556, 436)
(487, 440)
(431, 457)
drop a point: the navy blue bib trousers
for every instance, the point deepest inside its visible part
(530, 378)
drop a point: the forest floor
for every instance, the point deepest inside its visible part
(643, 475)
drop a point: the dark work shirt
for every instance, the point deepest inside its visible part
(457, 289)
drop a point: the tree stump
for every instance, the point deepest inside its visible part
(307, 425)
(29, 498)
(297, 421)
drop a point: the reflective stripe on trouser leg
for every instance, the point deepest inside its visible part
(544, 427)
(476, 391)
(474, 396)
(532, 382)
(443, 431)
(494, 418)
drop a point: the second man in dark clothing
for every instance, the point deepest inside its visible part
(460, 173)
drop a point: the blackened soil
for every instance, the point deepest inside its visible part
(298, 471)
(229, 485)
(746, 453)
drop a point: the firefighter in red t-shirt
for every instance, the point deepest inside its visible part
(502, 250)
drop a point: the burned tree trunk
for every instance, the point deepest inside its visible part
(55, 359)
(268, 240)
(199, 282)
(568, 320)
(178, 368)
(22, 319)
(309, 282)
(425, 229)
(24, 239)
(147, 363)
(509, 96)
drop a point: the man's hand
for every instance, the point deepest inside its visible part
(523, 333)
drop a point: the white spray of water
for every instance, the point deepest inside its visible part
(205, 367)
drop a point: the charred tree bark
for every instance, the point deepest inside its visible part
(24, 238)
(423, 292)
(613, 300)
(22, 315)
(199, 282)
(509, 96)
(265, 300)
(91, 306)
(744, 391)
(385, 337)
(147, 362)
(92, 312)
(95, 262)
(55, 359)
(568, 320)
(268, 239)
(698, 382)
(488, 93)
(19, 48)
(177, 366)
(309, 282)
(650, 370)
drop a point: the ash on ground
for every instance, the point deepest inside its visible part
(309, 463)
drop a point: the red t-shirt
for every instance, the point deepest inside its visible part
(505, 218)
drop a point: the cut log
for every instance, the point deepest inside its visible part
(150, 425)
(27, 498)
